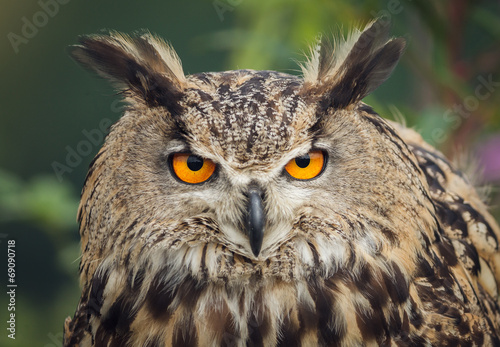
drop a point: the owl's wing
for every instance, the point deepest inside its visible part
(76, 332)
(466, 222)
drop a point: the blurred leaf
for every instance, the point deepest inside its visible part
(42, 201)
(487, 19)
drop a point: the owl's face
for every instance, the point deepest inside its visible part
(253, 165)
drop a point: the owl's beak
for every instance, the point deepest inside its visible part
(255, 219)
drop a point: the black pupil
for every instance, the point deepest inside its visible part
(303, 161)
(194, 163)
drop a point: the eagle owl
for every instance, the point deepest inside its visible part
(257, 208)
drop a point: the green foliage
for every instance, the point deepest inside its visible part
(42, 201)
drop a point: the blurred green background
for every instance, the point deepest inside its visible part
(447, 86)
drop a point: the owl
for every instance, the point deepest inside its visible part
(258, 208)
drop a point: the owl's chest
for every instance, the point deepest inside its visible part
(275, 313)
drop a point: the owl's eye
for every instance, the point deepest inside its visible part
(306, 167)
(190, 168)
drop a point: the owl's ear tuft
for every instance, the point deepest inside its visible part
(342, 73)
(144, 67)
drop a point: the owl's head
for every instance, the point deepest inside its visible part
(247, 167)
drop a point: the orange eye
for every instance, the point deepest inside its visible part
(307, 166)
(192, 169)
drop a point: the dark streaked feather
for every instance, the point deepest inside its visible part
(136, 64)
(347, 72)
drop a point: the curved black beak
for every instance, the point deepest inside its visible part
(255, 220)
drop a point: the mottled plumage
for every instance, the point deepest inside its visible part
(388, 245)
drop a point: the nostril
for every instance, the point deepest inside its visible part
(254, 189)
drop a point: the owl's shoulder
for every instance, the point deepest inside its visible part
(463, 217)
